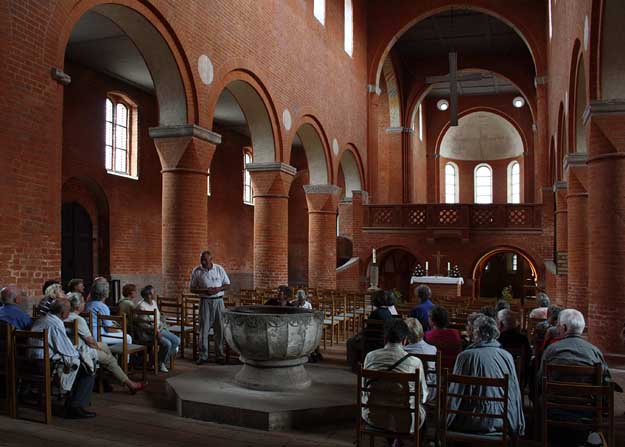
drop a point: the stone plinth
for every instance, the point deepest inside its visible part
(211, 394)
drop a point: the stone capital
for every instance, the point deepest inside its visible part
(603, 108)
(399, 130)
(271, 179)
(322, 198)
(186, 148)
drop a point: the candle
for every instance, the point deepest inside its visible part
(374, 255)
(427, 266)
(448, 267)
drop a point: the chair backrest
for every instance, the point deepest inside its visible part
(472, 404)
(31, 365)
(89, 319)
(71, 328)
(387, 392)
(146, 324)
(433, 369)
(574, 373)
(7, 382)
(171, 309)
(120, 321)
(585, 406)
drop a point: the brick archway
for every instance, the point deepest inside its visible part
(480, 263)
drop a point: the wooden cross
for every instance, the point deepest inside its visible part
(438, 256)
(453, 78)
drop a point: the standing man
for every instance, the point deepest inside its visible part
(209, 281)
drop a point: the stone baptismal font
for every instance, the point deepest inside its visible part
(273, 343)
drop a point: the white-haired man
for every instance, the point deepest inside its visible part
(573, 349)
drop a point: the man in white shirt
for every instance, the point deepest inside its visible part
(209, 281)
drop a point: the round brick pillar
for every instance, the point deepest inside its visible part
(606, 226)
(577, 203)
(322, 203)
(271, 182)
(185, 153)
(561, 245)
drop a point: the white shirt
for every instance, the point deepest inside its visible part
(202, 278)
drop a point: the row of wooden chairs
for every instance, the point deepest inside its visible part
(562, 391)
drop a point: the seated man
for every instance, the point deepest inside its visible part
(10, 312)
(53, 292)
(130, 298)
(512, 340)
(422, 311)
(75, 377)
(573, 349)
(97, 305)
(282, 298)
(144, 326)
(485, 358)
(393, 357)
(543, 302)
(301, 300)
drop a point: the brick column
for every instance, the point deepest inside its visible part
(549, 281)
(606, 223)
(271, 182)
(185, 152)
(541, 145)
(561, 260)
(577, 203)
(322, 203)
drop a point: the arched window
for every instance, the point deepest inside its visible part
(420, 123)
(319, 10)
(208, 183)
(514, 182)
(247, 180)
(483, 184)
(451, 183)
(349, 28)
(550, 19)
(120, 139)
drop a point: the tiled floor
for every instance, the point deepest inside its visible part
(144, 419)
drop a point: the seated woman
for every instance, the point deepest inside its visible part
(485, 358)
(105, 358)
(416, 345)
(144, 326)
(447, 341)
(282, 298)
(97, 305)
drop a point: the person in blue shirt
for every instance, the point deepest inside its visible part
(10, 312)
(422, 311)
(97, 305)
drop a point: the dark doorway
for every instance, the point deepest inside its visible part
(502, 270)
(76, 244)
(396, 269)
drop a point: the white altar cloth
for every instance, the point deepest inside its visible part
(436, 280)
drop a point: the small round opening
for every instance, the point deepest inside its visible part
(442, 105)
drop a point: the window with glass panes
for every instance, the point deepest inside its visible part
(483, 184)
(451, 183)
(247, 180)
(514, 182)
(117, 137)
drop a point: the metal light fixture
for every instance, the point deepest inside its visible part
(442, 105)
(518, 102)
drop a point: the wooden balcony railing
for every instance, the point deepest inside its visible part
(456, 216)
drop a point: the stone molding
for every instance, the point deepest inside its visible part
(611, 107)
(541, 80)
(60, 76)
(322, 189)
(185, 130)
(271, 166)
(399, 130)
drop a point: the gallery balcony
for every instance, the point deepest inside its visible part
(445, 220)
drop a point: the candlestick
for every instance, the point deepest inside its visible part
(374, 255)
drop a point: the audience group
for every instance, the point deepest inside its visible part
(75, 366)
(492, 342)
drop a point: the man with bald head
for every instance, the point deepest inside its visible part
(10, 312)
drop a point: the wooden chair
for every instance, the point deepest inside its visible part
(405, 396)
(123, 349)
(32, 370)
(173, 311)
(372, 336)
(190, 317)
(71, 328)
(148, 336)
(502, 439)
(88, 318)
(588, 406)
(433, 369)
(7, 376)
